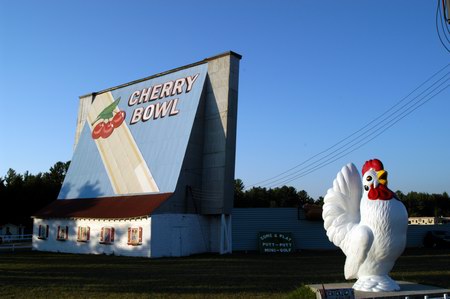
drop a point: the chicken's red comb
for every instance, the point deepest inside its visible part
(375, 164)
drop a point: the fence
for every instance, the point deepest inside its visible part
(15, 242)
(247, 223)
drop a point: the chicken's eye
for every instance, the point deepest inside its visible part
(369, 178)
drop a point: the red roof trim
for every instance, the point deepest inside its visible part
(105, 207)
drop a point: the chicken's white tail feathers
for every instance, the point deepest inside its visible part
(341, 204)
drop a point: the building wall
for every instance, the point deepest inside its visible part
(93, 246)
(180, 235)
(190, 178)
(215, 231)
(423, 220)
(164, 235)
(220, 121)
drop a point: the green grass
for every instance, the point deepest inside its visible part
(50, 275)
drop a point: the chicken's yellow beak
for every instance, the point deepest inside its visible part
(382, 177)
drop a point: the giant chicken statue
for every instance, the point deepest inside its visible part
(369, 224)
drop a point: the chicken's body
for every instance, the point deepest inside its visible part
(371, 234)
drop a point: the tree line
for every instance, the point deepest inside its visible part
(24, 194)
(260, 197)
(417, 203)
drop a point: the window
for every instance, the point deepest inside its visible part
(134, 235)
(107, 235)
(43, 232)
(63, 233)
(84, 233)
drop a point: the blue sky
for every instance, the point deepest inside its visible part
(312, 73)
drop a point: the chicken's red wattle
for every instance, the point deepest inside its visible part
(381, 192)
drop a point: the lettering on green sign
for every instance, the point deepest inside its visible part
(271, 242)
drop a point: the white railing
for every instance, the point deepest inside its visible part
(15, 238)
(14, 242)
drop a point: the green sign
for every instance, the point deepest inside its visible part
(275, 242)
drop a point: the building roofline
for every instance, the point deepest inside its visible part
(228, 53)
(120, 207)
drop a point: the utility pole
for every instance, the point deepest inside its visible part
(447, 5)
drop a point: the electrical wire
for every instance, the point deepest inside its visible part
(382, 128)
(370, 126)
(375, 125)
(343, 154)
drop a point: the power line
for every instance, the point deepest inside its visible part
(351, 150)
(290, 174)
(373, 125)
(348, 146)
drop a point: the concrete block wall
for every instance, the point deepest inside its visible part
(220, 121)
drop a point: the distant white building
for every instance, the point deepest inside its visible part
(9, 229)
(424, 220)
(12, 229)
(152, 172)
